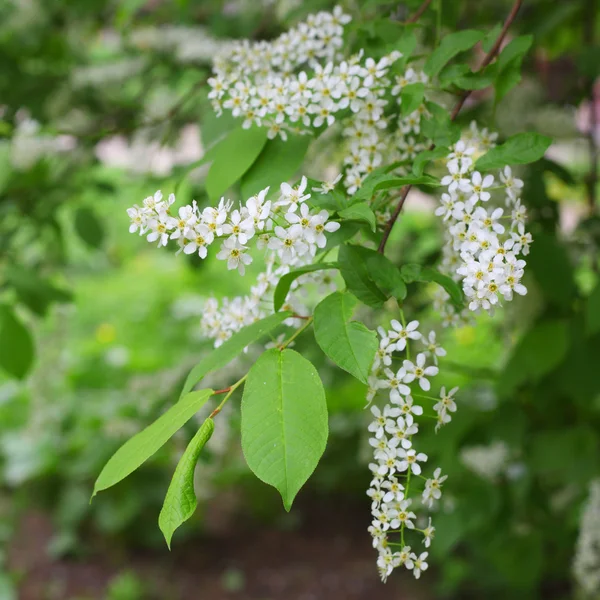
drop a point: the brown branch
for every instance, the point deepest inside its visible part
(457, 108)
(416, 16)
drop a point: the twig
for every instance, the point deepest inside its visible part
(457, 108)
(415, 17)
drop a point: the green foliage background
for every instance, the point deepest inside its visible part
(98, 331)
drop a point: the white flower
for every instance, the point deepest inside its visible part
(403, 334)
(428, 534)
(328, 186)
(287, 243)
(457, 179)
(240, 230)
(479, 185)
(420, 565)
(419, 372)
(409, 459)
(292, 196)
(512, 184)
(433, 348)
(235, 255)
(394, 383)
(405, 516)
(198, 239)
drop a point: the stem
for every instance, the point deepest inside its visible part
(457, 108)
(296, 333)
(229, 391)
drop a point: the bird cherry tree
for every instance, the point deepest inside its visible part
(361, 87)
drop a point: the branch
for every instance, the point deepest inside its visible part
(457, 108)
(416, 16)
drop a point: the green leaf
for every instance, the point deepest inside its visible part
(519, 149)
(538, 352)
(449, 47)
(349, 344)
(370, 276)
(224, 354)
(411, 97)
(490, 37)
(385, 274)
(180, 500)
(284, 284)
(509, 65)
(414, 272)
(424, 158)
(360, 211)
(284, 421)
(438, 127)
(133, 453)
(592, 312)
(353, 266)
(278, 162)
(346, 232)
(461, 76)
(16, 344)
(386, 181)
(36, 292)
(232, 158)
(551, 266)
(88, 227)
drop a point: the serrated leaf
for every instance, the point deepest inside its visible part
(180, 500)
(414, 272)
(386, 275)
(278, 162)
(411, 97)
(346, 232)
(16, 344)
(136, 451)
(233, 156)
(224, 354)
(284, 284)
(360, 211)
(449, 47)
(349, 344)
(438, 127)
(88, 227)
(519, 149)
(284, 421)
(424, 158)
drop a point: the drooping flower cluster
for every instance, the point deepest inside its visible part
(397, 462)
(482, 251)
(291, 235)
(586, 564)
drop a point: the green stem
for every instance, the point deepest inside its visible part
(296, 333)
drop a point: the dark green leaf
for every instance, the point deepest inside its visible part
(88, 227)
(233, 156)
(278, 162)
(592, 312)
(413, 272)
(386, 181)
(353, 266)
(16, 344)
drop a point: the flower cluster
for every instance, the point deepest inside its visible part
(287, 226)
(286, 229)
(396, 459)
(586, 564)
(482, 252)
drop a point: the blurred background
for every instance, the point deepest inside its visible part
(101, 103)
